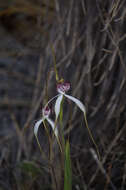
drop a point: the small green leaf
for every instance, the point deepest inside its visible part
(30, 168)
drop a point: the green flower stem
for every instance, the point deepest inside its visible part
(47, 132)
(51, 100)
(54, 63)
(58, 140)
(68, 168)
(61, 122)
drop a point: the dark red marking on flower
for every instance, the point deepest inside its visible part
(46, 111)
(63, 87)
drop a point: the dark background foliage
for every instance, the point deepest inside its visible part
(89, 42)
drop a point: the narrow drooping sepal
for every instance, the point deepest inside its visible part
(54, 128)
(57, 105)
(36, 127)
(77, 102)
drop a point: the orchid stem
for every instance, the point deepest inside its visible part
(47, 131)
(54, 63)
(58, 140)
(39, 145)
(51, 100)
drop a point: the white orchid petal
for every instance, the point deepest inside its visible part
(57, 105)
(54, 128)
(77, 102)
(36, 127)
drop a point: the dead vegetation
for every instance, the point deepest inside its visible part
(89, 41)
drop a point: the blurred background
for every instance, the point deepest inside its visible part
(88, 38)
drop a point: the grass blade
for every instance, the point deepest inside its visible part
(68, 171)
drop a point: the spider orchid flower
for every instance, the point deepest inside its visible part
(62, 88)
(45, 112)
